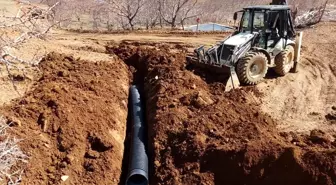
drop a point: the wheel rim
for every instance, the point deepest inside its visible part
(256, 69)
(288, 61)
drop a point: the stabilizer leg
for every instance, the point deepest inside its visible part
(297, 52)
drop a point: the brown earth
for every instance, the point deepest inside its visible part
(73, 121)
(200, 135)
(300, 102)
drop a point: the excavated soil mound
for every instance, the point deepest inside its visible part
(73, 122)
(200, 135)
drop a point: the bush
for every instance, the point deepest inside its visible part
(10, 156)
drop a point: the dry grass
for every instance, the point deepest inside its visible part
(10, 156)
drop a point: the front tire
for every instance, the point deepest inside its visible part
(252, 68)
(284, 61)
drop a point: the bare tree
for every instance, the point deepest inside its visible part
(188, 13)
(172, 10)
(128, 9)
(127, 14)
(150, 17)
(30, 22)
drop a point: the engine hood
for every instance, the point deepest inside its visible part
(238, 39)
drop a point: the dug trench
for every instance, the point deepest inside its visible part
(198, 134)
(73, 123)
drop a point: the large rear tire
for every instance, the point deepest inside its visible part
(252, 68)
(284, 61)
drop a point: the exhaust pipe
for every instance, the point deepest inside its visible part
(138, 168)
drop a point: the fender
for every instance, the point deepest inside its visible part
(291, 43)
(262, 50)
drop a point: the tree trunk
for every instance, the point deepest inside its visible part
(95, 24)
(161, 25)
(182, 24)
(173, 23)
(108, 26)
(132, 25)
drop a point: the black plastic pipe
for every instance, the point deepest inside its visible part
(138, 167)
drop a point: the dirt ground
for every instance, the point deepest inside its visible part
(200, 135)
(302, 102)
(72, 121)
(72, 113)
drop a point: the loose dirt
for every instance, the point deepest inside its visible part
(300, 102)
(72, 122)
(73, 119)
(200, 135)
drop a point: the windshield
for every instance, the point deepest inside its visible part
(258, 21)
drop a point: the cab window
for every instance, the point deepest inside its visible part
(258, 21)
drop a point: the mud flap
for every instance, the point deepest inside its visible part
(233, 82)
(297, 52)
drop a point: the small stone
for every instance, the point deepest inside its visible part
(50, 170)
(92, 154)
(124, 103)
(157, 163)
(90, 110)
(219, 114)
(43, 121)
(173, 105)
(89, 167)
(318, 136)
(14, 122)
(64, 177)
(331, 116)
(63, 164)
(69, 159)
(156, 77)
(193, 86)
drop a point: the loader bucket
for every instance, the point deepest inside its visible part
(230, 80)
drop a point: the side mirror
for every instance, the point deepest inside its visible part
(235, 16)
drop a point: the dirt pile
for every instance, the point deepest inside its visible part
(200, 135)
(73, 122)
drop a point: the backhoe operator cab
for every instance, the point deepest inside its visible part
(265, 38)
(273, 23)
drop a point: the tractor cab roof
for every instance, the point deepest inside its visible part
(268, 7)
